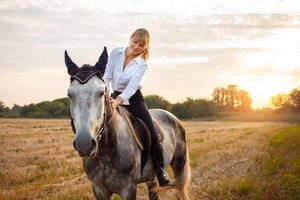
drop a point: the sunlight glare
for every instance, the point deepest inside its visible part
(261, 89)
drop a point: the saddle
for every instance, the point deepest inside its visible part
(141, 132)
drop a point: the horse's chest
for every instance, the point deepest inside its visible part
(108, 174)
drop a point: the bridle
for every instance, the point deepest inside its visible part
(107, 117)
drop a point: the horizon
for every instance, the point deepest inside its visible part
(181, 101)
(195, 46)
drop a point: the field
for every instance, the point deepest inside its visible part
(229, 160)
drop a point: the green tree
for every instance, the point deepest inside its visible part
(3, 109)
(58, 108)
(294, 97)
(245, 100)
(194, 108)
(232, 99)
(219, 97)
(27, 110)
(281, 102)
(156, 101)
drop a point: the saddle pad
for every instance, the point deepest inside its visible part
(142, 132)
(133, 123)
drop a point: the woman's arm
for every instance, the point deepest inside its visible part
(107, 77)
(133, 84)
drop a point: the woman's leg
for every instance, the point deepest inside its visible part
(140, 109)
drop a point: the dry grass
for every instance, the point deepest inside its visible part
(37, 160)
(259, 116)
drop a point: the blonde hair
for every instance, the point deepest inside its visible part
(142, 36)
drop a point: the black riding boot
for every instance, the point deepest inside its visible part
(158, 161)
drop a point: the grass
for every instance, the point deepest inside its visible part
(278, 178)
(193, 163)
(239, 189)
(259, 116)
(283, 172)
(229, 160)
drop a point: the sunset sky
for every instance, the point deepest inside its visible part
(196, 46)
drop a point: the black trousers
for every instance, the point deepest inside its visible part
(139, 108)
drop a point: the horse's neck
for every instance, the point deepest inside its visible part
(114, 147)
(109, 141)
(117, 135)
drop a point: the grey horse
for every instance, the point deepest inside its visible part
(111, 158)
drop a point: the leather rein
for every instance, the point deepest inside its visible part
(107, 119)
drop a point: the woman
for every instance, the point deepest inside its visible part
(125, 69)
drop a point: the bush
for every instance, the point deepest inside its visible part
(194, 108)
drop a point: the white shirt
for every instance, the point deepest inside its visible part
(128, 81)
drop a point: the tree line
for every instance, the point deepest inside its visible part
(290, 102)
(190, 108)
(224, 99)
(229, 98)
(59, 108)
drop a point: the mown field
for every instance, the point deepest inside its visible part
(229, 160)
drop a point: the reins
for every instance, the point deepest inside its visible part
(105, 123)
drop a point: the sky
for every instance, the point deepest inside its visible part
(196, 46)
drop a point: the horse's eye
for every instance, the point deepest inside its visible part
(101, 94)
(69, 95)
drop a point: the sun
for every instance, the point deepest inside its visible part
(273, 69)
(261, 89)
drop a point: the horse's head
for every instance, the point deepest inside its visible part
(88, 97)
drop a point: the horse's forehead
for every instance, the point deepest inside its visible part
(93, 84)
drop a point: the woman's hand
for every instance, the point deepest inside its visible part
(116, 102)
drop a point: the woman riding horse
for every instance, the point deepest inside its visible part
(125, 68)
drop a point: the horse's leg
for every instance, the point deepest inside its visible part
(101, 194)
(129, 193)
(153, 190)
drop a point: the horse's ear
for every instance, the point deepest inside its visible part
(101, 64)
(72, 67)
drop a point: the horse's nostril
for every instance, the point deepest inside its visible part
(74, 144)
(93, 145)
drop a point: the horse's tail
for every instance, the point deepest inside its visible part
(184, 180)
(183, 173)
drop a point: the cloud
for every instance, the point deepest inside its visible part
(194, 51)
(191, 7)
